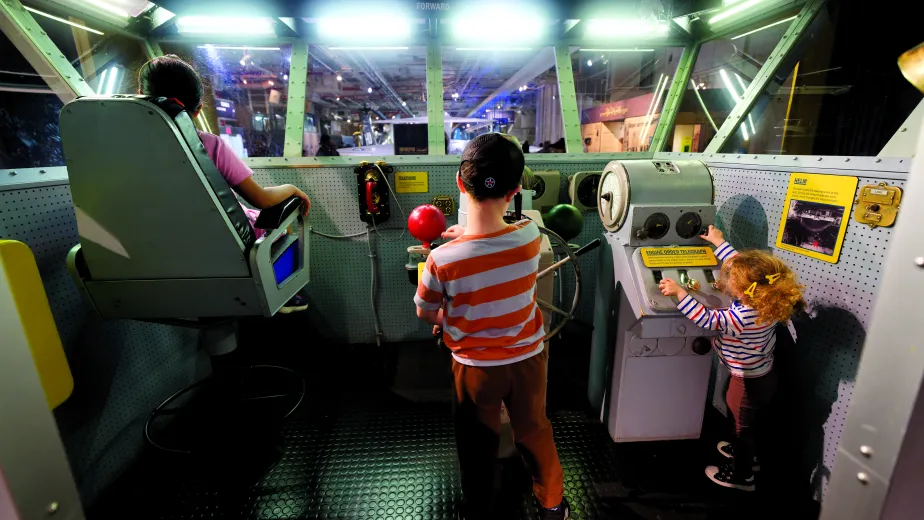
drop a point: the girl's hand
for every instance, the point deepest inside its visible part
(713, 236)
(454, 232)
(671, 288)
(437, 330)
(306, 202)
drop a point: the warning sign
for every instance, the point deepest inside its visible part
(678, 257)
(411, 182)
(420, 270)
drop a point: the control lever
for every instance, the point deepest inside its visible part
(590, 246)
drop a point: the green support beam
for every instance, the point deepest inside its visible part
(295, 109)
(151, 49)
(570, 118)
(674, 97)
(29, 38)
(436, 132)
(766, 74)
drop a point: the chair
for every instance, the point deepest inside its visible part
(162, 236)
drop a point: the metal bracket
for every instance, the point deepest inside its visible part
(38, 49)
(570, 118)
(757, 86)
(295, 109)
(675, 96)
(436, 133)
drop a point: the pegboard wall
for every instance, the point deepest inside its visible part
(121, 369)
(840, 297)
(339, 291)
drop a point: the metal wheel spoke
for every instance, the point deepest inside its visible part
(551, 308)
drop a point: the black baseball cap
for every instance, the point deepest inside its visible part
(492, 166)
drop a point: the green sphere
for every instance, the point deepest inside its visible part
(566, 220)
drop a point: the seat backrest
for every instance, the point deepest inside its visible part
(150, 203)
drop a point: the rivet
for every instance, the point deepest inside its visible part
(12, 174)
(847, 159)
(53, 508)
(863, 477)
(919, 261)
(819, 158)
(903, 130)
(866, 450)
(878, 160)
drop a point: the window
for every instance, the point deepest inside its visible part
(29, 134)
(723, 69)
(107, 62)
(512, 90)
(369, 100)
(837, 94)
(620, 94)
(246, 93)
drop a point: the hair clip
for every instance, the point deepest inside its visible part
(750, 291)
(773, 277)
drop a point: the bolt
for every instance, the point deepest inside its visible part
(919, 261)
(53, 508)
(12, 174)
(866, 450)
(863, 477)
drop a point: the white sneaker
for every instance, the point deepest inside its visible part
(726, 449)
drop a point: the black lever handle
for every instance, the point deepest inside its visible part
(590, 246)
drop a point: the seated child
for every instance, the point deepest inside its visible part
(765, 293)
(481, 289)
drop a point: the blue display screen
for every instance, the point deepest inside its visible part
(286, 264)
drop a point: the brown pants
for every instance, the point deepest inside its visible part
(747, 398)
(479, 393)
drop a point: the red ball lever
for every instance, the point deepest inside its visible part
(426, 223)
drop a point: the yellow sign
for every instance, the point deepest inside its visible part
(686, 144)
(420, 270)
(696, 256)
(411, 182)
(815, 215)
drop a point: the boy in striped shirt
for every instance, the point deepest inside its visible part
(765, 294)
(480, 288)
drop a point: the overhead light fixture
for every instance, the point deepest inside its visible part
(62, 20)
(224, 25)
(392, 117)
(338, 98)
(369, 90)
(270, 83)
(506, 24)
(735, 97)
(108, 81)
(616, 50)
(399, 28)
(404, 103)
(743, 89)
(349, 120)
(368, 48)
(244, 81)
(778, 22)
(494, 49)
(737, 8)
(118, 11)
(285, 76)
(620, 29)
(237, 48)
(339, 77)
(590, 63)
(243, 63)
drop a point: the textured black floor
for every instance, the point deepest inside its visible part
(364, 446)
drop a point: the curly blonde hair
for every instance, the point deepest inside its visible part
(774, 302)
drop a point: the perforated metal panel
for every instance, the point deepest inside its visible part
(340, 268)
(121, 369)
(750, 203)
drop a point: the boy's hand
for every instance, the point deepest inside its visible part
(713, 236)
(671, 288)
(453, 232)
(306, 202)
(437, 330)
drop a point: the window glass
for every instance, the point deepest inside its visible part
(620, 94)
(356, 95)
(511, 90)
(107, 62)
(723, 69)
(246, 93)
(29, 134)
(837, 94)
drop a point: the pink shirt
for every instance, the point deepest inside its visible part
(231, 167)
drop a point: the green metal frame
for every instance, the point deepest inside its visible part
(674, 97)
(570, 118)
(295, 107)
(766, 74)
(436, 132)
(38, 49)
(151, 49)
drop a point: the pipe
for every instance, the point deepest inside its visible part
(372, 288)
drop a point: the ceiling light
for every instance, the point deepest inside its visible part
(349, 120)
(285, 76)
(399, 28)
(368, 48)
(510, 49)
(243, 63)
(505, 23)
(784, 20)
(108, 7)
(404, 103)
(224, 25)
(369, 90)
(339, 77)
(338, 98)
(62, 20)
(617, 50)
(590, 63)
(237, 48)
(244, 81)
(392, 117)
(621, 29)
(733, 10)
(270, 83)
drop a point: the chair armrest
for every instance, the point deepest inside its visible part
(272, 218)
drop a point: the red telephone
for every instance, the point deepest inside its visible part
(373, 191)
(372, 198)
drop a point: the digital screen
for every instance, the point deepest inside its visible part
(286, 264)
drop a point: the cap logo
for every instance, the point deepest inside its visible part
(489, 182)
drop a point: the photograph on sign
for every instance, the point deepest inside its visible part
(813, 222)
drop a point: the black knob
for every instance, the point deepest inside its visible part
(607, 196)
(642, 233)
(702, 346)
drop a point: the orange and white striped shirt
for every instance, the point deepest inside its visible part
(489, 283)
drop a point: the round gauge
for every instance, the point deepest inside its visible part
(538, 185)
(587, 190)
(613, 196)
(689, 225)
(656, 226)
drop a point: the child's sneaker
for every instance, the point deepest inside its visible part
(298, 303)
(726, 449)
(560, 512)
(725, 476)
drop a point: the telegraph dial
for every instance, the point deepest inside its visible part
(587, 190)
(538, 185)
(613, 198)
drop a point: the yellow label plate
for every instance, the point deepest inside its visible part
(696, 256)
(411, 182)
(420, 270)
